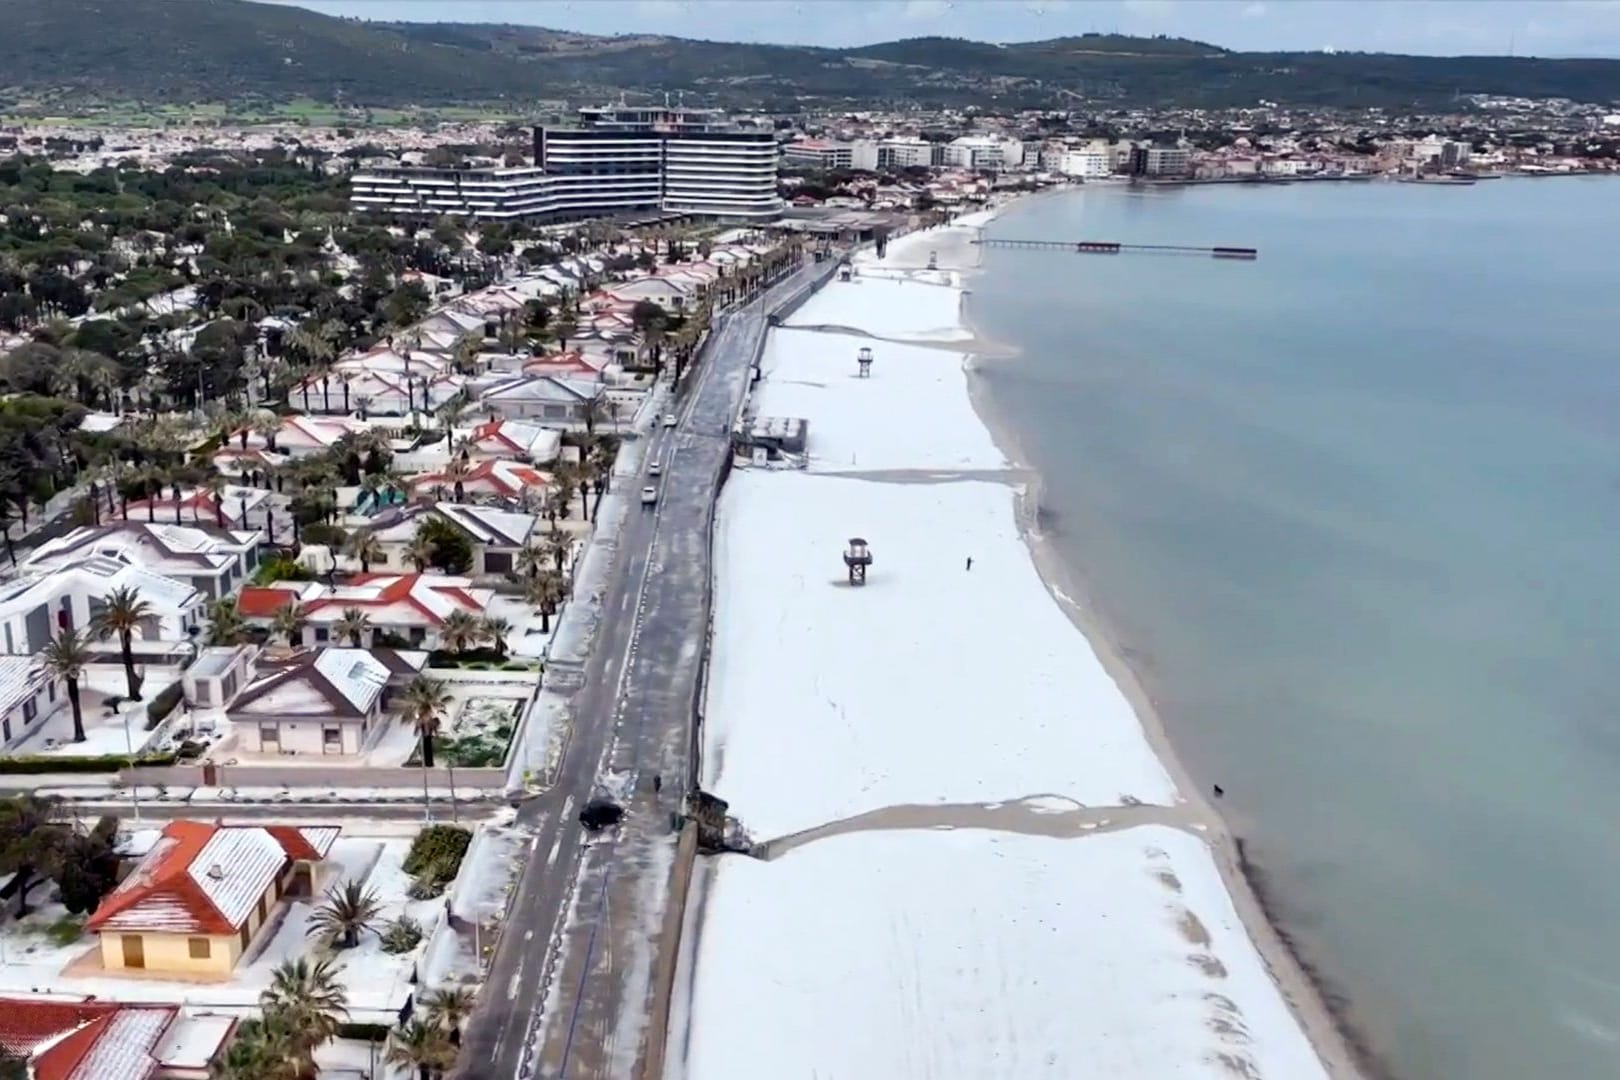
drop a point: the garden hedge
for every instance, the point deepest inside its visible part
(91, 763)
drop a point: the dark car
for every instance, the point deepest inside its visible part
(600, 813)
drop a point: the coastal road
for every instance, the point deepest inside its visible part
(570, 988)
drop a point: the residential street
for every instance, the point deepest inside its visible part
(582, 1010)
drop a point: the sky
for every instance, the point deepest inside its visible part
(1438, 27)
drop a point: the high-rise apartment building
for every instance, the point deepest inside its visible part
(620, 159)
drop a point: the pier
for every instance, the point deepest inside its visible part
(1109, 247)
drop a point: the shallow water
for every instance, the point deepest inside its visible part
(1354, 511)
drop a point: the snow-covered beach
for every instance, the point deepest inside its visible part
(976, 863)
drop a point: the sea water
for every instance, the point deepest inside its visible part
(1352, 511)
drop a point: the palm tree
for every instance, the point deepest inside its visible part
(496, 629)
(462, 630)
(354, 624)
(426, 704)
(447, 1007)
(419, 552)
(225, 623)
(346, 913)
(263, 1049)
(557, 545)
(122, 616)
(532, 559)
(312, 1001)
(564, 328)
(289, 622)
(457, 472)
(264, 424)
(545, 592)
(415, 1045)
(363, 545)
(65, 658)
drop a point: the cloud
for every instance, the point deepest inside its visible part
(924, 10)
(1256, 10)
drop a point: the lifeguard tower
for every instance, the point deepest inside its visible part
(857, 557)
(933, 260)
(864, 359)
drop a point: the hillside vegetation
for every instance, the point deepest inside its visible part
(218, 50)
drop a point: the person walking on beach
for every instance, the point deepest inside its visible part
(970, 562)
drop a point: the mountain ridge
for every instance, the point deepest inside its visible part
(217, 50)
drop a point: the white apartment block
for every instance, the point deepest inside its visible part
(908, 154)
(618, 160)
(819, 154)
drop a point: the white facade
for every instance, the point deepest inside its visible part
(975, 152)
(618, 160)
(1087, 164)
(907, 154)
(819, 154)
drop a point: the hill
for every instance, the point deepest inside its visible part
(215, 50)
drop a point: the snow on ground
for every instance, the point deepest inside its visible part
(973, 955)
(378, 983)
(911, 413)
(932, 683)
(887, 308)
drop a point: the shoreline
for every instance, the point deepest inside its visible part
(1328, 1032)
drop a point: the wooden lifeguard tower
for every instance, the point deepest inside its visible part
(933, 260)
(857, 557)
(864, 359)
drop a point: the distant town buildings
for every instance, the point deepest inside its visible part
(618, 160)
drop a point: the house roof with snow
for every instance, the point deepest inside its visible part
(492, 476)
(546, 389)
(160, 547)
(102, 1040)
(303, 432)
(96, 576)
(20, 678)
(330, 681)
(388, 599)
(201, 878)
(573, 364)
(514, 438)
(386, 358)
(482, 524)
(232, 504)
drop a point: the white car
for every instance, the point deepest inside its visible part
(669, 419)
(649, 495)
(655, 469)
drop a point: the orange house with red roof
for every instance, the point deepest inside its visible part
(199, 897)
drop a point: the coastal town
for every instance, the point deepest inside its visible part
(484, 598)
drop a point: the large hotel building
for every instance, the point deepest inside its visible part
(622, 159)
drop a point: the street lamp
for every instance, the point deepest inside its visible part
(135, 781)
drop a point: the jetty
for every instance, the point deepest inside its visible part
(1110, 247)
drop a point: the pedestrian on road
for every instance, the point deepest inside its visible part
(970, 562)
(658, 783)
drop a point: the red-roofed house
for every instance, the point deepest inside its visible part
(412, 606)
(97, 1040)
(512, 439)
(194, 902)
(102, 1040)
(491, 478)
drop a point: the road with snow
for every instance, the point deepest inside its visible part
(570, 993)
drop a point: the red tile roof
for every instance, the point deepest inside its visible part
(63, 1040)
(26, 1023)
(261, 602)
(170, 891)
